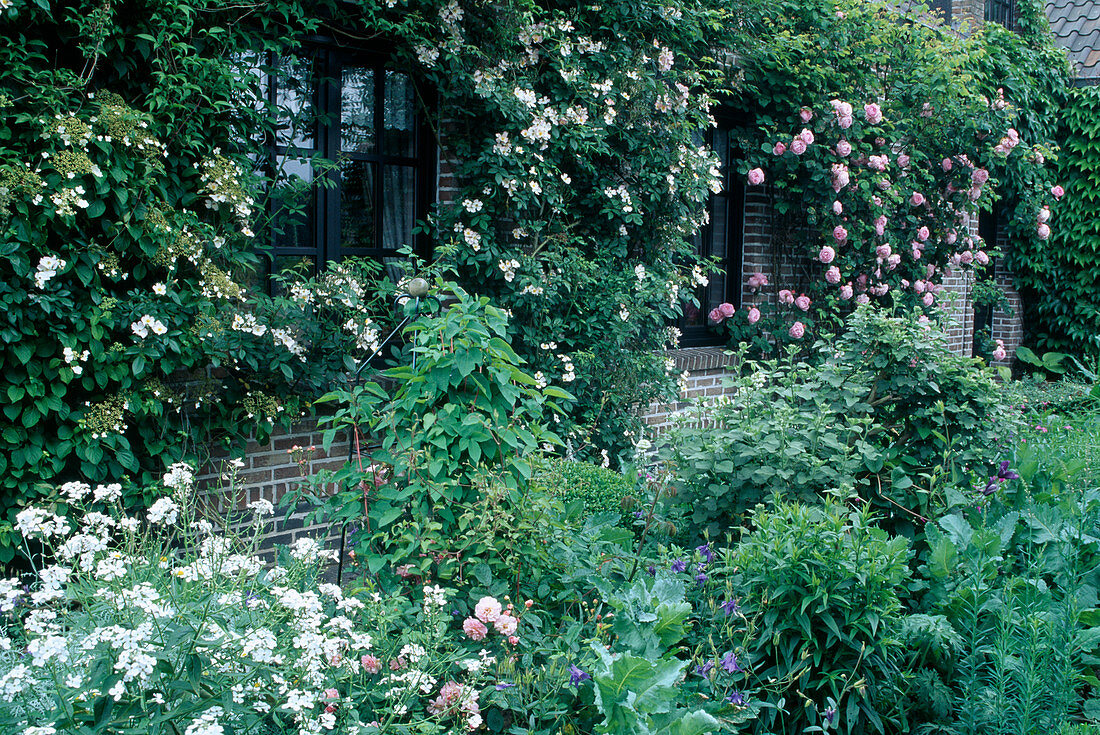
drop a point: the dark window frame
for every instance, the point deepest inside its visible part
(326, 241)
(732, 197)
(1001, 11)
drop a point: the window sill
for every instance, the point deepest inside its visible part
(694, 359)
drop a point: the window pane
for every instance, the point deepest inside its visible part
(293, 203)
(399, 135)
(294, 102)
(357, 221)
(399, 206)
(357, 110)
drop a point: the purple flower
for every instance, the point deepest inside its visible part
(701, 577)
(730, 606)
(729, 663)
(830, 715)
(1005, 473)
(651, 570)
(679, 565)
(706, 552)
(704, 669)
(505, 685)
(576, 676)
(737, 699)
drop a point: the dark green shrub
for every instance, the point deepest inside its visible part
(822, 583)
(889, 413)
(598, 489)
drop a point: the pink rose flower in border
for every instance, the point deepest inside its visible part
(806, 136)
(780, 148)
(840, 234)
(928, 298)
(982, 257)
(832, 275)
(845, 122)
(873, 113)
(726, 310)
(917, 199)
(1044, 214)
(999, 353)
(1057, 191)
(880, 225)
(802, 302)
(786, 297)
(843, 148)
(487, 610)
(903, 160)
(475, 629)
(371, 664)
(754, 315)
(756, 177)
(715, 316)
(838, 208)
(806, 114)
(798, 147)
(951, 238)
(826, 255)
(1043, 231)
(506, 624)
(878, 163)
(979, 176)
(883, 251)
(923, 234)
(846, 291)
(946, 165)
(797, 330)
(966, 257)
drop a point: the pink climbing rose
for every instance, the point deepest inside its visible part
(826, 255)
(786, 297)
(797, 330)
(923, 234)
(917, 199)
(806, 136)
(846, 291)
(715, 316)
(838, 208)
(780, 148)
(798, 147)
(832, 275)
(843, 148)
(840, 233)
(754, 315)
(806, 114)
(726, 310)
(946, 165)
(756, 177)
(1058, 191)
(475, 629)
(802, 302)
(873, 113)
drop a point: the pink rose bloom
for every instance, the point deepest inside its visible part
(475, 629)
(726, 310)
(930, 270)
(843, 148)
(923, 234)
(513, 639)
(876, 200)
(863, 299)
(926, 109)
(1013, 136)
(928, 298)
(893, 261)
(487, 610)
(845, 122)
(878, 163)
(798, 147)
(840, 176)
(840, 233)
(880, 225)
(975, 193)
(506, 624)
(979, 176)
(982, 257)
(999, 353)
(826, 255)
(1043, 231)
(780, 148)
(903, 160)
(371, 664)
(880, 290)
(884, 185)
(842, 109)
(966, 257)
(838, 208)
(797, 330)
(946, 165)
(846, 291)
(861, 281)
(806, 114)
(756, 177)
(756, 280)
(806, 136)
(1058, 191)
(883, 251)
(952, 236)
(754, 315)
(917, 199)
(1044, 214)
(832, 275)
(905, 283)
(332, 694)
(802, 302)
(915, 253)
(786, 297)
(715, 316)
(873, 113)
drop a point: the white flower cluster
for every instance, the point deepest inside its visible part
(249, 324)
(146, 324)
(48, 267)
(508, 268)
(71, 356)
(366, 334)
